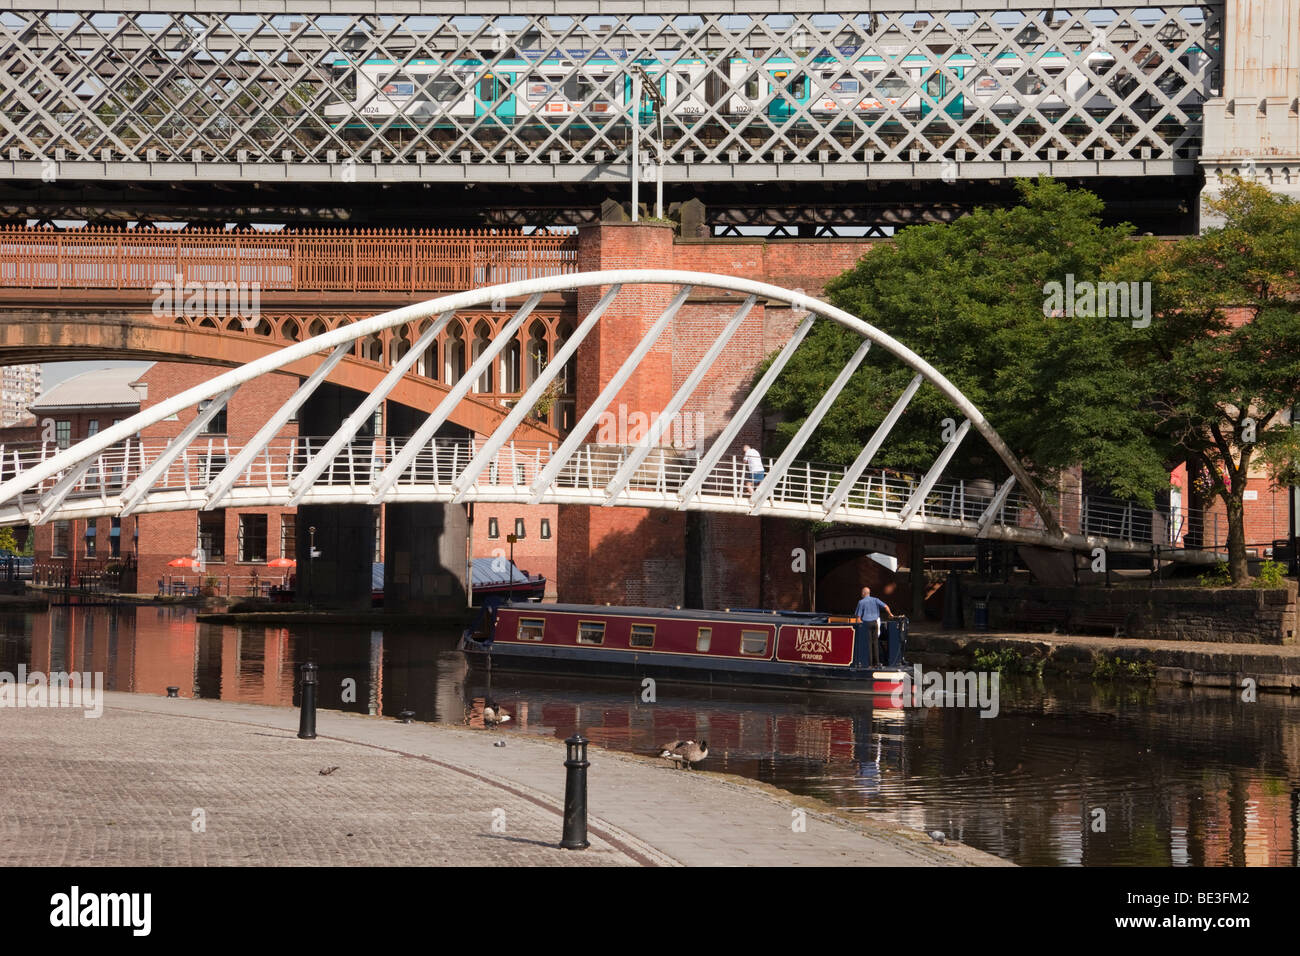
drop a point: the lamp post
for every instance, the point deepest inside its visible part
(511, 539)
(311, 563)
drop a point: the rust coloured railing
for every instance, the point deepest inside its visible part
(314, 260)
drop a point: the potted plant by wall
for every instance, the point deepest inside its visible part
(210, 584)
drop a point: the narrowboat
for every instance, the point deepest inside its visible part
(737, 647)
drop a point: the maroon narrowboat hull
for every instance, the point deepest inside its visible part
(743, 648)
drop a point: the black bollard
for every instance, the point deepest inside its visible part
(307, 718)
(173, 691)
(575, 794)
(406, 716)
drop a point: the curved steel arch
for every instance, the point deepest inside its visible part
(68, 467)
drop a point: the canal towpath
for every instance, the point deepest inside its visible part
(162, 781)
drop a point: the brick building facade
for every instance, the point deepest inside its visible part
(237, 543)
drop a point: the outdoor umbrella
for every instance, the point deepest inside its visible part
(183, 563)
(282, 563)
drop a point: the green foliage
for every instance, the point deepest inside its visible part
(1128, 400)
(1217, 577)
(1116, 668)
(1272, 574)
(8, 542)
(969, 298)
(1006, 661)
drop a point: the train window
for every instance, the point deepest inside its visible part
(531, 629)
(537, 88)
(487, 89)
(591, 632)
(985, 84)
(643, 635)
(934, 85)
(443, 89)
(892, 86)
(798, 86)
(751, 87)
(703, 638)
(578, 88)
(684, 85)
(846, 86)
(753, 642)
(398, 85)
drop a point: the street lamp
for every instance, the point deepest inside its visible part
(511, 539)
(311, 562)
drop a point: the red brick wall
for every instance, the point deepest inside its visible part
(532, 554)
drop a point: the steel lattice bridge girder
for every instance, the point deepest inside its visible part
(114, 473)
(184, 94)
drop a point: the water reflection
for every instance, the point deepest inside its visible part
(1068, 773)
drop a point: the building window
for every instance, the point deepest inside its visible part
(493, 530)
(212, 534)
(115, 538)
(379, 536)
(252, 537)
(288, 536)
(217, 424)
(210, 466)
(546, 529)
(91, 534)
(63, 434)
(519, 527)
(62, 532)
(92, 428)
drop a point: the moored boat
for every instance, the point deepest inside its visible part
(737, 647)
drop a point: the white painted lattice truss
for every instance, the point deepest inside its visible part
(116, 473)
(811, 89)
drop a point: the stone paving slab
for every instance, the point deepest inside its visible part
(121, 789)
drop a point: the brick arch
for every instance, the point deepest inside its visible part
(27, 338)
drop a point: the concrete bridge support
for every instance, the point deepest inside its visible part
(425, 543)
(1253, 128)
(344, 535)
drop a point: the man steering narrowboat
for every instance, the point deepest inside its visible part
(868, 613)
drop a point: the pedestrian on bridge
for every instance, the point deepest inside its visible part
(753, 462)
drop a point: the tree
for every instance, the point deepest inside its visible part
(8, 543)
(1200, 365)
(969, 297)
(1227, 349)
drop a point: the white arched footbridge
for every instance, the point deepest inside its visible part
(117, 473)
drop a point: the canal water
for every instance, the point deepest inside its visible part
(1068, 773)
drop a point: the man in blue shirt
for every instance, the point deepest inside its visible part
(868, 612)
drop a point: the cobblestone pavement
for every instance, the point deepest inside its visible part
(123, 789)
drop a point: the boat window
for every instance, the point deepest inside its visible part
(753, 642)
(532, 628)
(591, 632)
(643, 635)
(703, 638)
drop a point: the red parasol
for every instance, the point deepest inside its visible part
(282, 563)
(183, 563)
